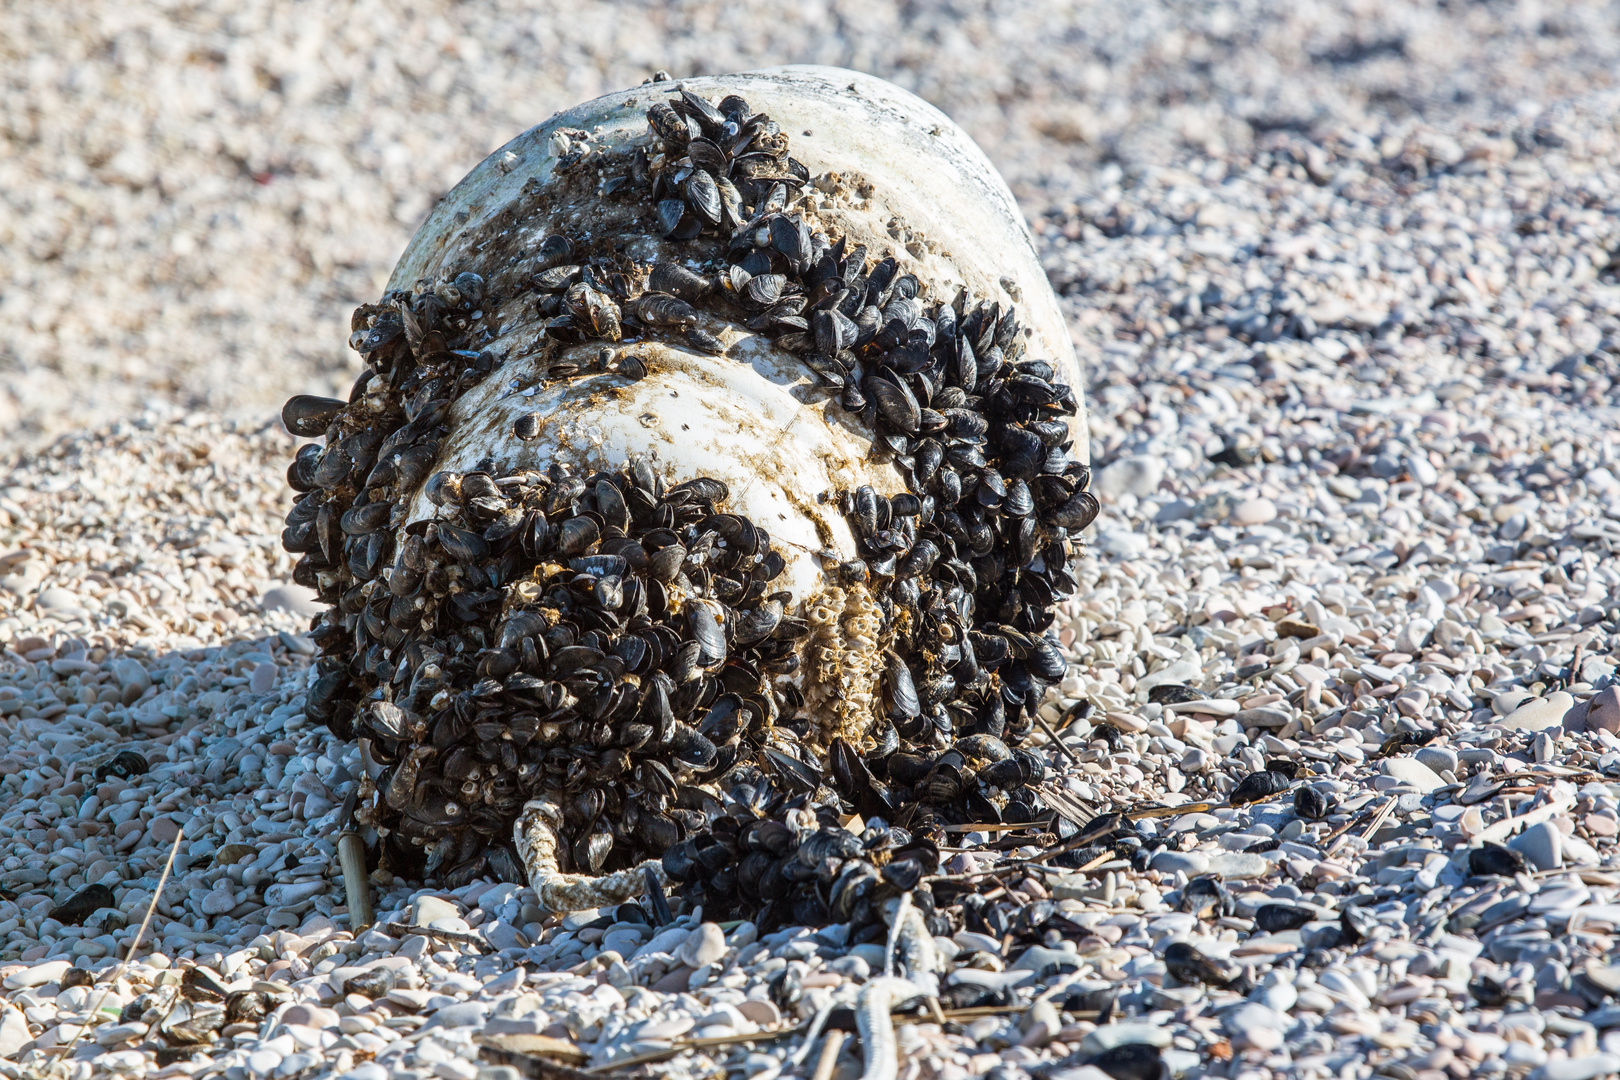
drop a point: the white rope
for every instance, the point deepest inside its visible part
(559, 893)
(878, 1044)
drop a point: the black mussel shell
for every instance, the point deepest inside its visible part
(1187, 964)
(1356, 924)
(1493, 859)
(1312, 804)
(124, 764)
(308, 416)
(1490, 993)
(1259, 786)
(1174, 693)
(1132, 1061)
(82, 904)
(1275, 918)
(1206, 898)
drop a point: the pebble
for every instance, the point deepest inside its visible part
(427, 910)
(1137, 475)
(37, 975)
(1541, 845)
(1603, 711)
(61, 601)
(1239, 864)
(293, 893)
(672, 1028)
(293, 599)
(14, 1034)
(1538, 714)
(760, 1011)
(1584, 1067)
(705, 945)
(1038, 959)
(1413, 636)
(1191, 863)
(1124, 1033)
(1340, 983)
(131, 674)
(1414, 772)
(1256, 511)
(219, 901)
(1439, 759)
(460, 1014)
(974, 942)
(263, 678)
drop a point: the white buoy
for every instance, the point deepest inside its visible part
(889, 171)
(805, 284)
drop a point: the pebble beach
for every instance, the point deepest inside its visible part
(1343, 282)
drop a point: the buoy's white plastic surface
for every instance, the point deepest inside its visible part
(889, 171)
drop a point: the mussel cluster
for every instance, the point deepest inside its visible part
(807, 845)
(771, 853)
(613, 640)
(606, 638)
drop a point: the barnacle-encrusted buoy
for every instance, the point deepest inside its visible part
(716, 467)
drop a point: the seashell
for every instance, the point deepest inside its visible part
(662, 310)
(763, 290)
(670, 126)
(557, 278)
(703, 196)
(1206, 898)
(676, 280)
(247, 1007)
(900, 690)
(123, 765)
(301, 473)
(711, 640)
(1495, 860)
(200, 984)
(758, 623)
(1192, 967)
(699, 108)
(185, 1028)
(82, 904)
(1311, 804)
(1356, 924)
(364, 520)
(703, 341)
(1130, 1061)
(1276, 918)
(1262, 785)
(1174, 693)
(706, 156)
(1490, 993)
(372, 983)
(309, 416)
